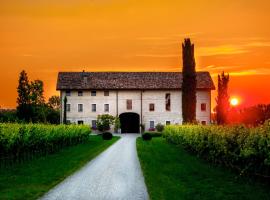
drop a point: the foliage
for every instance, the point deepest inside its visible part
(8, 115)
(160, 127)
(117, 124)
(31, 179)
(222, 100)
(19, 142)
(142, 128)
(104, 122)
(154, 133)
(146, 136)
(65, 111)
(171, 173)
(54, 102)
(189, 82)
(107, 136)
(238, 147)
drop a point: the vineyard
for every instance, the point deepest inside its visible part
(20, 142)
(246, 150)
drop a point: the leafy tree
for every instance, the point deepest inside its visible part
(54, 102)
(23, 100)
(189, 83)
(117, 124)
(223, 104)
(104, 122)
(36, 92)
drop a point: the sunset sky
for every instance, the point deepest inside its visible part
(45, 37)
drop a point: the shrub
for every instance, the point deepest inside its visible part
(154, 133)
(147, 136)
(104, 122)
(107, 136)
(238, 147)
(160, 127)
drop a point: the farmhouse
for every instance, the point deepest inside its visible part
(146, 98)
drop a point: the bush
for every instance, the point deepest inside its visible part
(147, 136)
(104, 122)
(107, 136)
(154, 133)
(238, 147)
(160, 127)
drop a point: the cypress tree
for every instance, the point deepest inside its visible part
(65, 111)
(223, 104)
(189, 83)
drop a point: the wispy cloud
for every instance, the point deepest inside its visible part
(259, 71)
(158, 55)
(221, 50)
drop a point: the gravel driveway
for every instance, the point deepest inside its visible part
(114, 175)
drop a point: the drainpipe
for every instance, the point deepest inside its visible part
(117, 103)
(141, 111)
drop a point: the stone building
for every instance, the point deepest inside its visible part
(137, 98)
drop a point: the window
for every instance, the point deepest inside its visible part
(68, 107)
(94, 107)
(94, 124)
(203, 107)
(68, 93)
(93, 93)
(152, 124)
(80, 107)
(106, 93)
(80, 122)
(168, 101)
(106, 107)
(68, 122)
(80, 93)
(151, 107)
(129, 104)
(168, 122)
(203, 122)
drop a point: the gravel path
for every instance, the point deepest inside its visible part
(114, 175)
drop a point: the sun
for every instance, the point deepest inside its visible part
(234, 101)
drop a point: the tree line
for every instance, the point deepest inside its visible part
(31, 104)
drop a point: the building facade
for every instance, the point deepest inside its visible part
(146, 98)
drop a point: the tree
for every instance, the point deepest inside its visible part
(54, 102)
(223, 104)
(36, 92)
(65, 111)
(23, 99)
(189, 83)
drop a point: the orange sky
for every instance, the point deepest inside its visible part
(44, 37)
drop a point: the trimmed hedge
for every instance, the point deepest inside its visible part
(146, 136)
(245, 149)
(154, 133)
(19, 142)
(107, 136)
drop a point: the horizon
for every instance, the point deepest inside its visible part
(45, 38)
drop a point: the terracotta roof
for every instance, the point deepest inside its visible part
(128, 80)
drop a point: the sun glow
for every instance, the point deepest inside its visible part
(234, 101)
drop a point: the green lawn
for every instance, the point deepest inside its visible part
(172, 173)
(32, 179)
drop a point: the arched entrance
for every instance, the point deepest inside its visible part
(130, 122)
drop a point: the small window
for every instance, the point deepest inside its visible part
(152, 124)
(203, 122)
(80, 108)
(94, 124)
(106, 93)
(106, 108)
(93, 93)
(80, 93)
(68, 107)
(168, 122)
(151, 107)
(203, 107)
(129, 104)
(68, 93)
(80, 122)
(94, 107)
(168, 101)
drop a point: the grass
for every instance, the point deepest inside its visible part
(32, 179)
(172, 173)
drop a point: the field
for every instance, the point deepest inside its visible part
(172, 173)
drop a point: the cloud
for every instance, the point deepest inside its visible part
(221, 50)
(259, 71)
(158, 55)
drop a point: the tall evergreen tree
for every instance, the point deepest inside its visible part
(189, 83)
(65, 111)
(223, 104)
(23, 99)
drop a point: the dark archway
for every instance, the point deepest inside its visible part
(130, 122)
